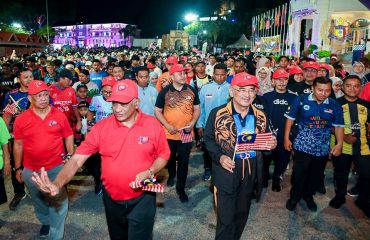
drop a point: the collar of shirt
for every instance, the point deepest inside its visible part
(139, 120)
(184, 87)
(310, 98)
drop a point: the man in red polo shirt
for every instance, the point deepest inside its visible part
(64, 97)
(40, 134)
(133, 146)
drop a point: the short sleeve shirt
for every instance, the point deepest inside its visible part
(315, 123)
(4, 138)
(64, 100)
(125, 152)
(102, 108)
(43, 144)
(178, 107)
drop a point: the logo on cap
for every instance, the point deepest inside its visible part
(121, 87)
(38, 84)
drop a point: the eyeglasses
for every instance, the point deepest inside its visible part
(310, 70)
(245, 91)
(107, 93)
(262, 73)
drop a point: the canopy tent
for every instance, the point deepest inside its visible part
(243, 42)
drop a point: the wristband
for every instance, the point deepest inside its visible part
(17, 169)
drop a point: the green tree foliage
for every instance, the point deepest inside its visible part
(43, 31)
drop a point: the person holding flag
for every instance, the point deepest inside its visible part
(234, 135)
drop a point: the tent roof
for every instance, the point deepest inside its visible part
(242, 42)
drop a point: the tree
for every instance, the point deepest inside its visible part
(43, 31)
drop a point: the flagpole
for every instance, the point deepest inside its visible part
(285, 22)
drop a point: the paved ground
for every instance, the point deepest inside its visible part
(196, 220)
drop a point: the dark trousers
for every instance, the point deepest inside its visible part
(93, 165)
(342, 166)
(180, 152)
(307, 174)
(233, 208)
(17, 186)
(131, 219)
(281, 159)
(3, 197)
(207, 160)
(362, 164)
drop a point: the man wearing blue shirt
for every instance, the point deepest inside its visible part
(315, 114)
(97, 75)
(212, 95)
(277, 103)
(147, 94)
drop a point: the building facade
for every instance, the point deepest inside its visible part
(93, 35)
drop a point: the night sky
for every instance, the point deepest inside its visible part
(154, 17)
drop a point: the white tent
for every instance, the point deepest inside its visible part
(243, 42)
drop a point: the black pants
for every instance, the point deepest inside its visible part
(342, 166)
(307, 174)
(233, 208)
(281, 159)
(180, 152)
(362, 164)
(3, 197)
(207, 160)
(17, 186)
(93, 165)
(131, 219)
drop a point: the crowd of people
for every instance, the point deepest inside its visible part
(124, 115)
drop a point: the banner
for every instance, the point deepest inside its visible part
(270, 44)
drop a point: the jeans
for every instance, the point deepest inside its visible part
(49, 210)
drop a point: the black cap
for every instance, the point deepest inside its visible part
(83, 104)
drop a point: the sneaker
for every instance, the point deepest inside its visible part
(311, 204)
(337, 202)
(170, 182)
(182, 196)
(44, 231)
(99, 189)
(353, 192)
(207, 174)
(16, 200)
(276, 186)
(291, 204)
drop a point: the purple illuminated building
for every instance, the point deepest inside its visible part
(93, 35)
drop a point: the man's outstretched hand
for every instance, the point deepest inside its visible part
(44, 184)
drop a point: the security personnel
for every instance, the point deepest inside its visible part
(234, 174)
(316, 114)
(133, 147)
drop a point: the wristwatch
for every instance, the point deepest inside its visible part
(18, 168)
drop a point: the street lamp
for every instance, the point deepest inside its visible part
(16, 25)
(190, 17)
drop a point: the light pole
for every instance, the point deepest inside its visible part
(47, 19)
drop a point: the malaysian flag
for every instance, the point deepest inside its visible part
(150, 185)
(11, 108)
(185, 136)
(252, 141)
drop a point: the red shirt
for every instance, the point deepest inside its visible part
(64, 100)
(125, 152)
(43, 144)
(365, 93)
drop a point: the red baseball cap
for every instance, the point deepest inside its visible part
(325, 66)
(280, 73)
(311, 64)
(109, 81)
(244, 79)
(150, 66)
(172, 60)
(177, 68)
(124, 91)
(295, 70)
(37, 86)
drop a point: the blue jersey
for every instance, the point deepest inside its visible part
(97, 78)
(20, 97)
(102, 108)
(315, 123)
(276, 105)
(211, 95)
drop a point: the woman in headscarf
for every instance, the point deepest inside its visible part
(264, 80)
(264, 62)
(337, 84)
(358, 69)
(153, 78)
